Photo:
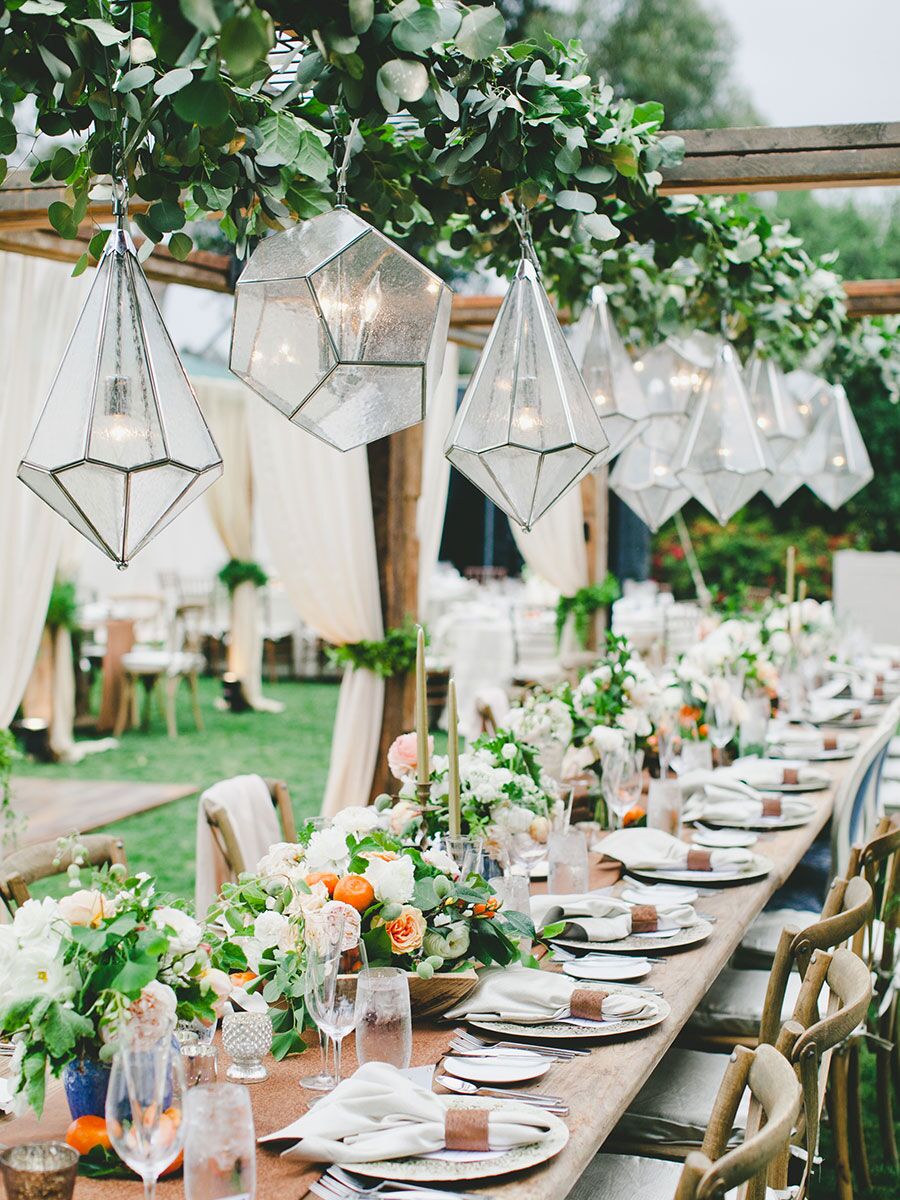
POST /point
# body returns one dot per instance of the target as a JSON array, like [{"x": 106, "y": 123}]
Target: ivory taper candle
[
  {"x": 791, "y": 567},
  {"x": 801, "y": 590},
  {"x": 423, "y": 767},
  {"x": 453, "y": 770}
]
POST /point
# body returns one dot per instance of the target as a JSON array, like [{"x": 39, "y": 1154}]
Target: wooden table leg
[
  {"x": 172, "y": 682},
  {"x": 195, "y": 700}
]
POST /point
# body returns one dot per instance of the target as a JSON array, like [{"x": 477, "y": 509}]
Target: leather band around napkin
[
  {"x": 698, "y": 859},
  {"x": 587, "y": 1003},
  {"x": 790, "y": 776},
  {"x": 829, "y": 742},
  {"x": 466, "y": 1129},
  {"x": 771, "y": 806},
  {"x": 644, "y": 919}
]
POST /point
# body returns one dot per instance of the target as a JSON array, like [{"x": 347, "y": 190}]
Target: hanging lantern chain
[
  {"x": 521, "y": 219},
  {"x": 343, "y": 152}
]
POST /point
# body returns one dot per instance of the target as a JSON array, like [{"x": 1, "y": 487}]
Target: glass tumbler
[
  {"x": 513, "y": 891},
  {"x": 39, "y": 1171},
  {"x": 201, "y": 1063},
  {"x": 247, "y": 1038},
  {"x": 383, "y": 1018},
  {"x": 664, "y": 806},
  {"x": 220, "y": 1150},
  {"x": 568, "y": 862}
]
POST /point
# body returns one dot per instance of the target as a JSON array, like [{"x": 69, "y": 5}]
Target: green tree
[
  {"x": 865, "y": 235},
  {"x": 675, "y": 51}
]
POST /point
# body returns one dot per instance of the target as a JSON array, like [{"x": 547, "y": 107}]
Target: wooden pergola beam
[{"x": 761, "y": 159}]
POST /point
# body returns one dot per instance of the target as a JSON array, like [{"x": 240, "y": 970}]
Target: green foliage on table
[
  {"x": 582, "y": 607},
  {"x": 237, "y": 571},
  {"x": 8, "y": 755},
  {"x": 62, "y": 609},
  {"x": 394, "y": 654}
]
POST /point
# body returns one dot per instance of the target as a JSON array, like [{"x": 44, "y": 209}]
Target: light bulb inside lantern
[
  {"x": 803, "y": 409},
  {"x": 527, "y": 418},
  {"x": 601, "y": 399},
  {"x": 839, "y": 461},
  {"x": 763, "y": 422},
  {"x": 639, "y": 367},
  {"x": 118, "y": 424},
  {"x": 660, "y": 470}
]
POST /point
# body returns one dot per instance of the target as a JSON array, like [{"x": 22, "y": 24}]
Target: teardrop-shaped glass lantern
[
  {"x": 671, "y": 372},
  {"x": 723, "y": 460},
  {"x": 527, "y": 428},
  {"x": 340, "y": 329},
  {"x": 608, "y": 373},
  {"x": 842, "y": 465},
  {"x": 801, "y": 392},
  {"x": 121, "y": 447},
  {"x": 644, "y": 476}
]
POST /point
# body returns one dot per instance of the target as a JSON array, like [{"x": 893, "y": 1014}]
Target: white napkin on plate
[
  {"x": 649, "y": 849},
  {"x": 528, "y": 997},
  {"x": 379, "y": 1113},
  {"x": 821, "y": 712},
  {"x": 729, "y": 807},
  {"x": 797, "y": 741},
  {"x": 770, "y": 773},
  {"x": 608, "y": 918}
]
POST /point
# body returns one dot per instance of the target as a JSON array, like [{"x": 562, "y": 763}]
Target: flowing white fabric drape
[
  {"x": 230, "y": 504},
  {"x": 317, "y": 516},
  {"x": 39, "y": 305},
  {"x": 555, "y": 549},
  {"x": 432, "y": 505}
]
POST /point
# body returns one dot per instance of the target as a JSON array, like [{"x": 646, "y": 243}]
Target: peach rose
[
  {"x": 406, "y": 931},
  {"x": 220, "y": 984},
  {"x": 403, "y": 757},
  {"x": 401, "y": 814},
  {"x": 86, "y": 908}
]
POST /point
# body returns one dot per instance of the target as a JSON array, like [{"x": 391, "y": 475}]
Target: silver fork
[
  {"x": 537, "y": 1047},
  {"x": 340, "y": 1185}
]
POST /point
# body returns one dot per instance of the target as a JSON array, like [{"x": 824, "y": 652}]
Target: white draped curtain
[
  {"x": 39, "y": 305},
  {"x": 432, "y": 505},
  {"x": 555, "y": 549},
  {"x": 230, "y": 504}
]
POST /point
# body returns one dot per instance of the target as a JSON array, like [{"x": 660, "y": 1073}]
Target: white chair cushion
[
  {"x": 889, "y": 795},
  {"x": 891, "y": 770},
  {"x": 894, "y": 748},
  {"x": 623, "y": 1177},
  {"x": 733, "y": 1005},
  {"x": 675, "y": 1102},
  {"x": 763, "y": 935}
]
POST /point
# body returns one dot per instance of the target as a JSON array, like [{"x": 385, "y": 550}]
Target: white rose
[
  {"x": 393, "y": 880},
  {"x": 304, "y": 903},
  {"x": 441, "y": 861},
  {"x": 605, "y": 740},
  {"x": 86, "y": 907},
  {"x": 357, "y": 818},
  {"x": 509, "y": 751},
  {"x": 268, "y": 928},
  {"x": 35, "y": 921},
  {"x": 282, "y": 859},
  {"x": 327, "y": 851},
  {"x": 188, "y": 934}
]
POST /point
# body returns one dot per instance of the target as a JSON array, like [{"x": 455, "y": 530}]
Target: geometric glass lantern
[
  {"x": 121, "y": 447},
  {"x": 780, "y": 420},
  {"x": 527, "y": 429},
  {"x": 608, "y": 373},
  {"x": 809, "y": 396},
  {"x": 340, "y": 329},
  {"x": 723, "y": 459},
  {"x": 842, "y": 466},
  {"x": 671, "y": 372},
  {"x": 643, "y": 476}
]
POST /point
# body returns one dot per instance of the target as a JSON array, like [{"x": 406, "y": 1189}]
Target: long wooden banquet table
[{"x": 597, "y": 1088}]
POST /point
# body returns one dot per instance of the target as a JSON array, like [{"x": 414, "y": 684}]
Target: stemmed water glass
[
  {"x": 623, "y": 781},
  {"x": 721, "y": 714},
  {"x": 330, "y": 999},
  {"x": 668, "y": 744},
  {"x": 144, "y": 1106}
]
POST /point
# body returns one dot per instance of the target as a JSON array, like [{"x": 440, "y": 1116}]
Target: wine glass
[
  {"x": 626, "y": 783},
  {"x": 668, "y": 744},
  {"x": 330, "y": 999},
  {"x": 144, "y": 1106},
  {"x": 220, "y": 1149},
  {"x": 721, "y": 717}
]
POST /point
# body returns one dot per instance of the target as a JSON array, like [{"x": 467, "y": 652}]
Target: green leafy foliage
[
  {"x": 394, "y": 654},
  {"x": 236, "y": 571},
  {"x": 62, "y": 608},
  {"x": 582, "y": 607}
]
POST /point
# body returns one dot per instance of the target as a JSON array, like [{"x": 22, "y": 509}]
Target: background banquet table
[{"x": 597, "y": 1088}]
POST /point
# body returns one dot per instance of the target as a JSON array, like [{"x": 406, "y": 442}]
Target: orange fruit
[
  {"x": 242, "y": 978},
  {"x": 174, "y": 1165},
  {"x": 87, "y": 1132},
  {"x": 330, "y": 880},
  {"x": 356, "y": 891}
]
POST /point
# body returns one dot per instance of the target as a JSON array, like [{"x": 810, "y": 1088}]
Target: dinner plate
[
  {"x": 540, "y": 870},
  {"x": 745, "y": 829},
  {"x": 643, "y": 943},
  {"x": 607, "y": 972},
  {"x": 838, "y": 755},
  {"x": 561, "y": 1031},
  {"x": 759, "y": 869},
  {"x": 431, "y": 1169},
  {"x": 728, "y": 835},
  {"x": 494, "y": 1069},
  {"x": 792, "y": 787}
]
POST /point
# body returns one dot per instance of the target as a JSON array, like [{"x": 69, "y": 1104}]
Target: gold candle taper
[
  {"x": 791, "y": 566},
  {"x": 801, "y": 590},
  {"x": 453, "y": 753},
  {"x": 423, "y": 767}
]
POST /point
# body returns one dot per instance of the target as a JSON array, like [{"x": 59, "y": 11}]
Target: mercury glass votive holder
[
  {"x": 39, "y": 1171},
  {"x": 247, "y": 1038}
]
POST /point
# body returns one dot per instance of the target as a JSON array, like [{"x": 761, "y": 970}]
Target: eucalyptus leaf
[
  {"x": 106, "y": 34},
  {"x": 201, "y": 14},
  {"x": 203, "y": 102},
  {"x": 600, "y": 227},
  {"x": 7, "y": 136},
  {"x": 43, "y": 8},
  {"x": 62, "y": 218},
  {"x": 582, "y": 202},
  {"x": 480, "y": 32},
  {"x": 81, "y": 265},
  {"x": 135, "y": 78},
  {"x": 245, "y": 40},
  {"x": 417, "y": 32},
  {"x": 166, "y": 215},
  {"x": 595, "y": 173},
  {"x": 362, "y": 13},
  {"x": 404, "y": 78},
  {"x": 173, "y": 81}
]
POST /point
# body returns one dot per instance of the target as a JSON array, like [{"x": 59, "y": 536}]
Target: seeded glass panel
[
  {"x": 844, "y": 464},
  {"x": 196, "y": 488},
  {"x": 340, "y": 329},
  {"x": 671, "y": 373},
  {"x": 527, "y": 429},
  {"x": 722, "y": 459},
  {"x": 608, "y": 373},
  {"x": 643, "y": 476},
  {"x": 777, "y": 416},
  {"x": 121, "y": 438}
]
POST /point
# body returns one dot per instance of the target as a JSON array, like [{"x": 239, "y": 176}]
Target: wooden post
[
  {"x": 595, "y": 503},
  {"x": 395, "y": 481}
]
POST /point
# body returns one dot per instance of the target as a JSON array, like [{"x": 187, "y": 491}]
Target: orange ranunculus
[
  {"x": 406, "y": 931},
  {"x": 633, "y": 816},
  {"x": 688, "y": 713},
  {"x": 488, "y": 909},
  {"x": 703, "y": 730}
]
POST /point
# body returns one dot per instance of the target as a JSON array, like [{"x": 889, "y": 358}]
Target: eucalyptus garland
[
  {"x": 237, "y": 571},
  {"x": 62, "y": 609},
  {"x": 394, "y": 654},
  {"x": 583, "y": 606}
]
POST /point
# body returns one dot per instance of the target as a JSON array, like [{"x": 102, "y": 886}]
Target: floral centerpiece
[
  {"x": 75, "y": 972},
  {"x": 733, "y": 652},
  {"x": 407, "y": 906},
  {"x": 544, "y": 721}
]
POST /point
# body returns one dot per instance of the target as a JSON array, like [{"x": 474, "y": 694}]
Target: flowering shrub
[{"x": 75, "y": 972}]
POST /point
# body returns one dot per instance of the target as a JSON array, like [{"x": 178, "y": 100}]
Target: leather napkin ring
[
  {"x": 587, "y": 1004},
  {"x": 771, "y": 807},
  {"x": 466, "y": 1129},
  {"x": 790, "y": 776},
  {"x": 878, "y": 692},
  {"x": 644, "y": 918},
  {"x": 856, "y": 715},
  {"x": 699, "y": 860},
  {"x": 829, "y": 743}
]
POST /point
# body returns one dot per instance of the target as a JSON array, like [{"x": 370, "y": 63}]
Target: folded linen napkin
[
  {"x": 379, "y": 1113},
  {"x": 767, "y": 773},
  {"x": 726, "y": 807},
  {"x": 797, "y": 741},
  {"x": 647, "y": 849},
  {"x": 821, "y": 712},
  {"x": 528, "y": 997},
  {"x": 723, "y": 780},
  {"x": 609, "y": 918}
]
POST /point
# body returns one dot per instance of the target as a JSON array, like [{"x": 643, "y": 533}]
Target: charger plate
[
  {"x": 560, "y": 1031},
  {"x": 643, "y": 944},
  {"x": 759, "y": 869}
]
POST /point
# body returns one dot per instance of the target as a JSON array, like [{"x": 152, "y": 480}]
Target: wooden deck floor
[{"x": 56, "y": 807}]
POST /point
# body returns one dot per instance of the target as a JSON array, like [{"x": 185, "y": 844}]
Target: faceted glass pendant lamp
[
  {"x": 779, "y": 419},
  {"x": 723, "y": 459},
  {"x": 340, "y": 329},
  {"x": 800, "y": 392},
  {"x": 527, "y": 429},
  {"x": 608, "y": 373},
  {"x": 842, "y": 465},
  {"x": 644, "y": 475},
  {"x": 121, "y": 447},
  {"x": 671, "y": 373}
]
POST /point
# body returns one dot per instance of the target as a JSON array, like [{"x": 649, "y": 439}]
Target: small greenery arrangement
[
  {"x": 8, "y": 754},
  {"x": 394, "y": 654},
  {"x": 583, "y": 605},
  {"x": 237, "y": 571},
  {"x": 62, "y": 609}
]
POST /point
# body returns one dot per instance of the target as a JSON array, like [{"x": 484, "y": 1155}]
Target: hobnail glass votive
[
  {"x": 247, "y": 1038},
  {"x": 39, "y": 1171}
]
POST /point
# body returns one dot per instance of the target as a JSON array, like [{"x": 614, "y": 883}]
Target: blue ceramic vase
[{"x": 86, "y": 1082}]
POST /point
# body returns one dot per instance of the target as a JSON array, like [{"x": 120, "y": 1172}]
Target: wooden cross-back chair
[
  {"x": 44, "y": 860},
  {"x": 219, "y": 820}
]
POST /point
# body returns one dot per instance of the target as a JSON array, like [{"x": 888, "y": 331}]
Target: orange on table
[
  {"x": 356, "y": 891},
  {"x": 242, "y": 978},
  {"x": 87, "y": 1132},
  {"x": 327, "y": 877}
]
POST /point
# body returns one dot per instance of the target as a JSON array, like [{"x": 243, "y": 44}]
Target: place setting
[
  {"x": 789, "y": 741},
  {"x": 594, "y": 919},
  {"x": 658, "y": 857}
]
